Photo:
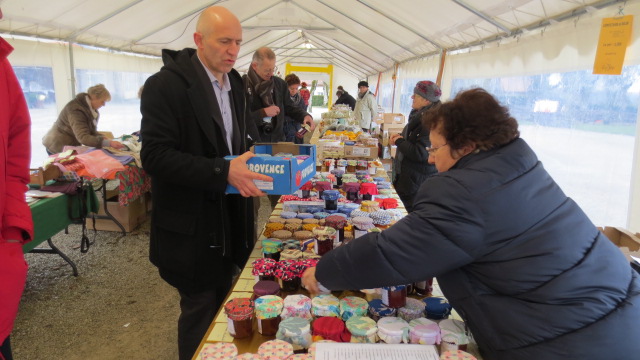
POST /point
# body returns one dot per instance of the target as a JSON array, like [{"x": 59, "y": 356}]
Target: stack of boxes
[{"x": 390, "y": 123}]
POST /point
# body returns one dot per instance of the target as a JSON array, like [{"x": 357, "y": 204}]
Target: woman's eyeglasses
[{"x": 432, "y": 149}]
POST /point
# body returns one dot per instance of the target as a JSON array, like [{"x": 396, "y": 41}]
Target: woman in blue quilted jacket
[{"x": 524, "y": 266}]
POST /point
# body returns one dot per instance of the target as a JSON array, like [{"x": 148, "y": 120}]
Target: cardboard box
[
  {"x": 288, "y": 173},
  {"x": 392, "y": 151},
  {"x": 393, "y": 127},
  {"x": 129, "y": 216},
  {"x": 393, "y": 118},
  {"x": 387, "y": 164},
  {"x": 622, "y": 237},
  {"x": 40, "y": 176},
  {"x": 360, "y": 152}
]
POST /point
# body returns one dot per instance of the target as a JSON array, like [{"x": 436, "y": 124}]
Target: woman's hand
[
  {"x": 309, "y": 280},
  {"x": 394, "y": 138},
  {"x": 117, "y": 145}
]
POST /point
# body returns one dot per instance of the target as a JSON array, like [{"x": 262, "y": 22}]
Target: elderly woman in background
[
  {"x": 77, "y": 123},
  {"x": 520, "y": 261}
]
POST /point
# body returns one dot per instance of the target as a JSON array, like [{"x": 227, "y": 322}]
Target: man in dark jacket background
[
  {"x": 269, "y": 98},
  {"x": 193, "y": 115}
]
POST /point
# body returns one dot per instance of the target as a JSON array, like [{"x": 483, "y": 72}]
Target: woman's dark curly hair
[
  {"x": 292, "y": 79},
  {"x": 473, "y": 116}
]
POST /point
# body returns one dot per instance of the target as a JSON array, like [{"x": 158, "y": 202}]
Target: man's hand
[
  {"x": 242, "y": 178},
  {"x": 309, "y": 121},
  {"x": 272, "y": 111},
  {"x": 309, "y": 280},
  {"x": 394, "y": 138}
]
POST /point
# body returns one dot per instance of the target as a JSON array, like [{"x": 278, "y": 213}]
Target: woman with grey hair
[{"x": 77, "y": 123}]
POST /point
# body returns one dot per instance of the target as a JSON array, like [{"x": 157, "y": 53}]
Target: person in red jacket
[
  {"x": 304, "y": 92},
  {"x": 16, "y": 225}
]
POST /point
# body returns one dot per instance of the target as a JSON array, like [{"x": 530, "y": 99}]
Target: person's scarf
[
  {"x": 261, "y": 88},
  {"x": 295, "y": 99}
]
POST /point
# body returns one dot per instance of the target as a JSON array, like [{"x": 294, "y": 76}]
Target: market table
[{"x": 52, "y": 215}]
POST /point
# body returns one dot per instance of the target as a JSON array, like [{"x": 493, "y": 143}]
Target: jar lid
[
  {"x": 276, "y": 219},
  {"x": 271, "y": 246},
  {"x": 239, "y": 309},
  {"x": 323, "y": 185},
  {"x": 353, "y": 306},
  {"x": 330, "y": 328},
  {"x": 302, "y": 235},
  {"x": 310, "y": 227},
  {"x": 305, "y": 215},
  {"x": 291, "y": 254},
  {"x": 281, "y": 234},
  {"x": 425, "y": 328},
  {"x": 291, "y": 244},
  {"x": 288, "y": 214},
  {"x": 293, "y": 221},
  {"x": 219, "y": 351},
  {"x": 393, "y": 326},
  {"x": 362, "y": 223},
  {"x": 268, "y": 306},
  {"x": 413, "y": 306},
  {"x": 275, "y": 349},
  {"x": 324, "y": 232},
  {"x": 378, "y": 308},
  {"x": 307, "y": 186},
  {"x": 310, "y": 220},
  {"x": 381, "y": 217},
  {"x": 294, "y": 326},
  {"x": 321, "y": 215},
  {"x": 436, "y": 308},
  {"x": 456, "y": 355},
  {"x": 452, "y": 330},
  {"x": 263, "y": 266},
  {"x": 249, "y": 356},
  {"x": 326, "y": 305},
  {"x": 266, "y": 287},
  {"x": 361, "y": 326},
  {"x": 336, "y": 221},
  {"x": 359, "y": 213},
  {"x": 331, "y": 195},
  {"x": 298, "y": 301}
]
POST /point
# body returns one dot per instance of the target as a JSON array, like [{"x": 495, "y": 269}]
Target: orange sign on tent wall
[{"x": 615, "y": 34}]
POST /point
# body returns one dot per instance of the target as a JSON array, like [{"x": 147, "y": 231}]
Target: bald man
[{"x": 193, "y": 115}]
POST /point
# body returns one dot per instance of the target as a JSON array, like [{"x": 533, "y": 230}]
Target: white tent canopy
[{"x": 389, "y": 43}]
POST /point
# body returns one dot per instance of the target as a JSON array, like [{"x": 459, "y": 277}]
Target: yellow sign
[{"x": 615, "y": 34}]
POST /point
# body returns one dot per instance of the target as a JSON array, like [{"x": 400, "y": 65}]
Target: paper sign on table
[{"x": 353, "y": 351}]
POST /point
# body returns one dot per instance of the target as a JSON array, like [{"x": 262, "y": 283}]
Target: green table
[{"x": 50, "y": 216}]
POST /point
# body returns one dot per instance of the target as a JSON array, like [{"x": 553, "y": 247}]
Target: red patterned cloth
[{"x": 134, "y": 183}]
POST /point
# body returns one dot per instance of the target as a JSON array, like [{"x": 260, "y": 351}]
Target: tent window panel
[
  {"x": 37, "y": 84},
  {"x": 582, "y": 127}
]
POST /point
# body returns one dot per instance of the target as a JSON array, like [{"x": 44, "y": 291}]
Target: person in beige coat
[
  {"x": 77, "y": 123},
  {"x": 366, "y": 107}
]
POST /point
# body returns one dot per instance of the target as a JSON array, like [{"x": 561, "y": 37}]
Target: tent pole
[{"x": 72, "y": 70}]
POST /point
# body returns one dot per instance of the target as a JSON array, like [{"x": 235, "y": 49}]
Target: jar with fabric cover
[
  {"x": 424, "y": 331},
  {"x": 367, "y": 190},
  {"x": 352, "y": 190},
  {"x": 239, "y": 313},
  {"x": 282, "y": 234},
  {"x": 268, "y": 309},
  {"x": 381, "y": 218},
  {"x": 369, "y": 206},
  {"x": 291, "y": 244},
  {"x": 456, "y": 355},
  {"x": 296, "y": 331},
  {"x": 291, "y": 254},
  {"x": 454, "y": 335},
  {"x": 288, "y": 214},
  {"x": 337, "y": 222},
  {"x": 393, "y": 330},
  {"x": 361, "y": 225},
  {"x": 277, "y": 219},
  {"x": 321, "y": 186},
  {"x": 413, "y": 309},
  {"x": 378, "y": 310},
  {"x": 362, "y": 329},
  {"x": 325, "y": 305},
  {"x": 269, "y": 228},
  {"x": 437, "y": 308},
  {"x": 330, "y": 328},
  {"x": 362, "y": 165},
  {"x": 219, "y": 350},
  {"x": 394, "y": 296},
  {"x": 351, "y": 165},
  {"x": 275, "y": 349},
  {"x": 265, "y": 287},
  {"x": 423, "y": 288},
  {"x": 271, "y": 248},
  {"x": 353, "y": 306},
  {"x": 324, "y": 237},
  {"x": 263, "y": 269},
  {"x": 331, "y": 199},
  {"x": 297, "y": 305}
]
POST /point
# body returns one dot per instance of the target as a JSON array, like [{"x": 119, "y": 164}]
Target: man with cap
[
  {"x": 410, "y": 166},
  {"x": 366, "y": 107}
]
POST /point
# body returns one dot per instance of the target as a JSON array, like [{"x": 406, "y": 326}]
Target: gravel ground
[{"x": 117, "y": 308}]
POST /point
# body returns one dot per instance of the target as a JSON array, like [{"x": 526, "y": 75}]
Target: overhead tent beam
[
  {"x": 401, "y": 24},
  {"x": 164, "y": 26},
  {"x": 367, "y": 27},
  {"x": 483, "y": 16},
  {"x": 74, "y": 34},
  {"x": 346, "y": 31},
  {"x": 295, "y": 48},
  {"x": 297, "y": 55},
  {"x": 341, "y": 63},
  {"x": 278, "y": 39},
  {"x": 319, "y": 38},
  {"x": 287, "y": 27},
  {"x": 345, "y": 54}
]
